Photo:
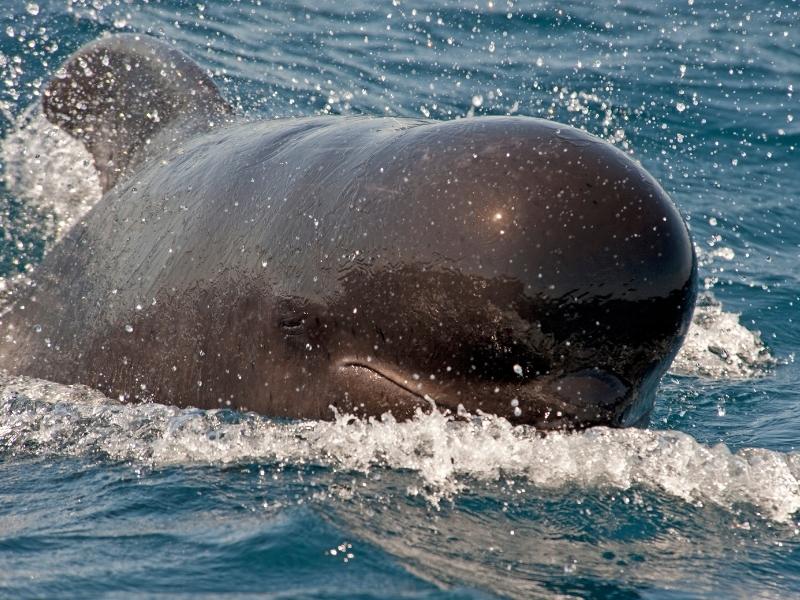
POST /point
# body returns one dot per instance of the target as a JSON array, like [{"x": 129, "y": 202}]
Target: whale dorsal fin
[{"x": 119, "y": 93}]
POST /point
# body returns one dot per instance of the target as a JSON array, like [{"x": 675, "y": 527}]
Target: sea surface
[{"x": 99, "y": 498}]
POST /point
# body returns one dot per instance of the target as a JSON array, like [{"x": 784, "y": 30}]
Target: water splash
[
  {"x": 446, "y": 455},
  {"x": 52, "y": 171},
  {"x": 717, "y": 345},
  {"x": 720, "y": 347},
  {"x": 594, "y": 112}
]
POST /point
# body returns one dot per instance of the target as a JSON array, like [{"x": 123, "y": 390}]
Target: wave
[{"x": 446, "y": 454}]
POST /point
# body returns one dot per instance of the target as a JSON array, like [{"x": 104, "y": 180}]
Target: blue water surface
[{"x": 126, "y": 501}]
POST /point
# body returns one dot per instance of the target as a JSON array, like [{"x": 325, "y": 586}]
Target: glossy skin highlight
[{"x": 509, "y": 265}]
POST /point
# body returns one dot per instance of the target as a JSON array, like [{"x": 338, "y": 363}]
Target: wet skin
[{"x": 504, "y": 264}]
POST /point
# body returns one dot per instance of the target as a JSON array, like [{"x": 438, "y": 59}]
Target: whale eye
[
  {"x": 294, "y": 325},
  {"x": 299, "y": 321}
]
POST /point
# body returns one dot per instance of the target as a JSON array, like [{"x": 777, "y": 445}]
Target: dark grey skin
[{"x": 509, "y": 265}]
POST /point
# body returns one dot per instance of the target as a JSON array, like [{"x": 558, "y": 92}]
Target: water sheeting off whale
[{"x": 504, "y": 264}]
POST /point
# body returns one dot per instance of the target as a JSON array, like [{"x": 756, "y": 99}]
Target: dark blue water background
[{"x": 102, "y": 499}]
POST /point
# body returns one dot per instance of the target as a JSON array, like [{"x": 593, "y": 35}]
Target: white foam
[
  {"x": 717, "y": 345},
  {"x": 47, "y": 418},
  {"x": 50, "y": 170}
]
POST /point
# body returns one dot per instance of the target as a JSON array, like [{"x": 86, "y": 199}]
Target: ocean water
[{"x": 99, "y": 498}]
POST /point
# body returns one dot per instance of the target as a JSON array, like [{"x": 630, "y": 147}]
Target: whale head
[{"x": 515, "y": 267}]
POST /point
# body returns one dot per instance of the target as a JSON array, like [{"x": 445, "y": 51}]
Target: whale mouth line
[{"x": 391, "y": 378}]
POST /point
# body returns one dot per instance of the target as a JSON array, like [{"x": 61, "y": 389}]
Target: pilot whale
[{"x": 502, "y": 265}]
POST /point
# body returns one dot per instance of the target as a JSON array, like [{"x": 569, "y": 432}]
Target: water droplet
[
  {"x": 477, "y": 100},
  {"x": 32, "y": 8},
  {"x": 129, "y": 328},
  {"x": 518, "y": 370}
]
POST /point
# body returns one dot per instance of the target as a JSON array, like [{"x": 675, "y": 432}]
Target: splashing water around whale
[{"x": 46, "y": 418}]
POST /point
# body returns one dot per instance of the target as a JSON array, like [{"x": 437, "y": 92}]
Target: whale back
[{"x": 127, "y": 97}]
